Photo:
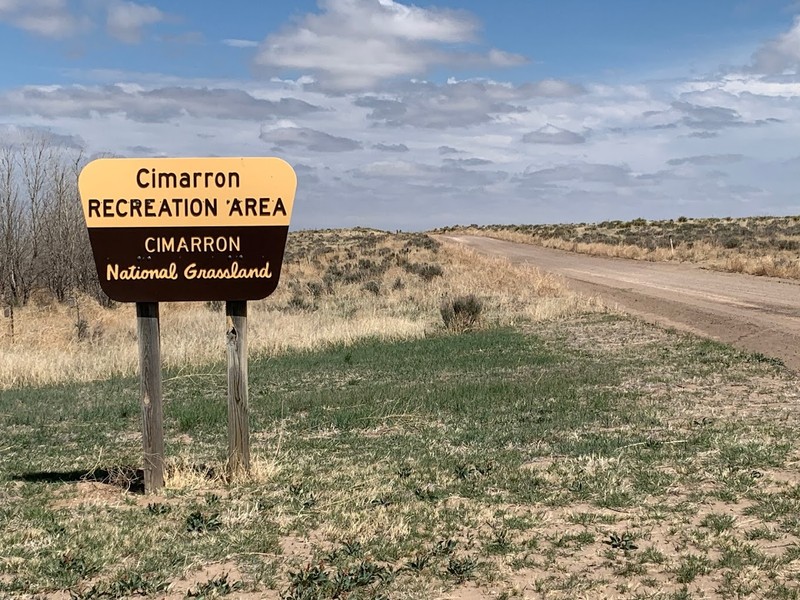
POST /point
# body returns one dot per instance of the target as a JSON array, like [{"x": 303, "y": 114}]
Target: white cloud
[
  {"x": 151, "y": 105},
  {"x": 236, "y": 43},
  {"x": 781, "y": 53},
  {"x": 308, "y": 139},
  {"x": 127, "y": 19},
  {"x": 356, "y": 44},
  {"x": 62, "y": 19},
  {"x": 390, "y": 147},
  {"x": 550, "y": 134},
  {"x": 46, "y": 18},
  {"x": 500, "y": 58}
]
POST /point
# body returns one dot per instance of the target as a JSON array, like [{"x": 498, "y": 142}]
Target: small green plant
[
  {"x": 214, "y": 588},
  {"x": 690, "y": 567},
  {"x": 718, "y": 523},
  {"x": 500, "y": 541},
  {"x": 156, "y": 508},
  {"x": 461, "y": 568},
  {"x": 197, "y": 522},
  {"x": 76, "y": 564},
  {"x": 314, "y": 582},
  {"x": 464, "y": 471},
  {"x": 310, "y": 501},
  {"x": 309, "y": 583},
  {"x": 621, "y": 542},
  {"x": 362, "y": 575},
  {"x": 418, "y": 562},
  {"x": 428, "y": 492},
  {"x": 352, "y": 548},
  {"x": 444, "y": 547}
]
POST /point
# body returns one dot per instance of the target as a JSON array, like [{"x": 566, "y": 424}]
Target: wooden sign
[{"x": 175, "y": 229}]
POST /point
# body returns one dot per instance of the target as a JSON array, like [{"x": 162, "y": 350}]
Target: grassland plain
[
  {"x": 754, "y": 245},
  {"x": 589, "y": 457},
  {"x": 336, "y": 286}
]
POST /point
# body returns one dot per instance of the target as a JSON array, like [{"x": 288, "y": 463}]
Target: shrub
[
  {"x": 316, "y": 288},
  {"x": 461, "y": 313},
  {"x": 420, "y": 240},
  {"x": 298, "y": 302},
  {"x": 425, "y": 270},
  {"x": 372, "y": 286},
  {"x": 730, "y": 242}
]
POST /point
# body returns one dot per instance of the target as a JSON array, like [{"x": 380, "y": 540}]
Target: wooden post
[
  {"x": 147, "y": 326},
  {"x": 238, "y": 410},
  {"x": 9, "y": 312}
]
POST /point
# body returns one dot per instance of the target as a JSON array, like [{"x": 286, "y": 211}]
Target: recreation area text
[{"x": 183, "y": 207}]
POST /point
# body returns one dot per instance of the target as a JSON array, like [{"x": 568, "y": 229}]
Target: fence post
[
  {"x": 238, "y": 410},
  {"x": 147, "y": 325}
]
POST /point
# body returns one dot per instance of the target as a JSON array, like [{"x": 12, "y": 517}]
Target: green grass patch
[{"x": 407, "y": 468}]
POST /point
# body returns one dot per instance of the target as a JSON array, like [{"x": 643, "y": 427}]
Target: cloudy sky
[{"x": 403, "y": 115}]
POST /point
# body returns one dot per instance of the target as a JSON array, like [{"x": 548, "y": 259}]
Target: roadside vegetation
[
  {"x": 755, "y": 245},
  {"x": 337, "y": 286}
]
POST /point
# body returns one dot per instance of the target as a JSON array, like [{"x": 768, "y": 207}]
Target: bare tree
[
  {"x": 14, "y": 233},
  {"x": 36, "y": 156},
  {"x": 44, "y": 244},
  {"x": 62, "y": 233}
]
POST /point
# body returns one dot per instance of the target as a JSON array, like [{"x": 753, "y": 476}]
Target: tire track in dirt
[{"x": 758, "y": 314}]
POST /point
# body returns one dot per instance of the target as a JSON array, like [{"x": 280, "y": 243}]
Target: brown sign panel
[{"x": 174, "y": 229}]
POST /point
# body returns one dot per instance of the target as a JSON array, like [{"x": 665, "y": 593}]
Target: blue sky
[{"x": 404, "y": 115}]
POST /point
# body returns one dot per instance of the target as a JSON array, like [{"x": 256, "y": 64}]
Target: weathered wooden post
[
  {"x": 238, "y": 410},
  {"x": 148, "y": 328},
  {"x": 9, "y": 313}
]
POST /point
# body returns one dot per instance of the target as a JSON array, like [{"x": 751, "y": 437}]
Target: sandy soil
[{"x": 759, "y": 314}]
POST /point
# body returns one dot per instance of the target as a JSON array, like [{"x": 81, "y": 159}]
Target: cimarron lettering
[
  {"x": 146, "y": 178},
  {"x": 115, "y": 272},
  {"x": 206, "y": 243}
]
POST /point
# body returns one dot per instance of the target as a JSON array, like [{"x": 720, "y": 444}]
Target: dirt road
[{"x": 760, "y": 314}]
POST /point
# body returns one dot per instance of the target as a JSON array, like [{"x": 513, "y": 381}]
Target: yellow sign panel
[{"x": 187, "y": 192}]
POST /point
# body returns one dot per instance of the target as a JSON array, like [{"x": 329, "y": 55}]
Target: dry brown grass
[
  {"x": 765, "y": 247},
  {"x": 55, "y": 343}
]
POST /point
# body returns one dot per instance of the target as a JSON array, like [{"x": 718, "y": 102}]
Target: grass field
[
  {"x": 596, "y": 457},
  {"x": 547, "y": 450},
  {"x": 755, "y": 245}
]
